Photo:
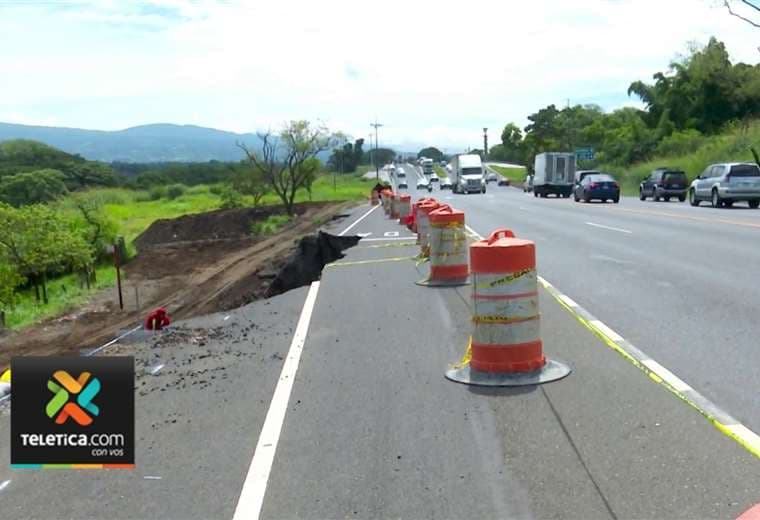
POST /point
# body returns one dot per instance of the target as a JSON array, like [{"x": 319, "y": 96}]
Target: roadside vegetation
[
  {"x": 703, "y": 109},
  {"x": 61, "y": 214},
  {"x": 515, "y": 175}
]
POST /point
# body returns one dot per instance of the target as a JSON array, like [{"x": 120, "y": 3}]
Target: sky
[{"x": 432, "y": 73}]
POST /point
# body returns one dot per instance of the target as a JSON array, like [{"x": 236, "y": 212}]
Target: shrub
[
  {"x": 680, "y": 143},
  {"x": 175, "y": 191},
  {"x": 270, "y": 226},
  {"x": 231, "y": 198},
  {"x": 157, "y": 192},
  {"x": 216, "y": 189}
]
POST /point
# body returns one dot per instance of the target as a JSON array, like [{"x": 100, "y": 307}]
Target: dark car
[
  {"x": 597, "y": 186},
  {"x": 402, "y": 185},
  {"x": 502, "y": 182},
  {"x": 664, "y": 183}
]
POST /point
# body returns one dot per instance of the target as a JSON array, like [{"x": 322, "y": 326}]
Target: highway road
[
  {"x": 330, "y": 401},
  {"x": 679, "y": 282}
]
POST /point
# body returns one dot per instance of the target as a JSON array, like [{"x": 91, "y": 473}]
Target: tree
[
  {"x": 512, "y": 146},
  {"x": 32, "y": 187},
  {"x": 283, "y": 159},
  {"x": 431, "y": 152},
  {"x": 248, "y": 180},
  {"x": 10, "y": 279},
  {"x": 83, "y": 174},
  {"x": 753, "y": 10}
]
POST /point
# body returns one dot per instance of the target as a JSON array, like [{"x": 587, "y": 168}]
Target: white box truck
[
  {"x": 467, "y": 173},
  {"x": 554, "y": 172},
  {"x": 427, "y": 166}
]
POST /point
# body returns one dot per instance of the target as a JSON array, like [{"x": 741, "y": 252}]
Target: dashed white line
[
  {"x": 411, "y": 237},
  {"x": 373, "y": 208},
  {"x": 4, "y": 484},
  {"x": 620, "y": 230},
  {"x": 254, "y": 488}
]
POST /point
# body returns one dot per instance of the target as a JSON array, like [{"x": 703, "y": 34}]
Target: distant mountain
[{"x": 147, "y": 143}]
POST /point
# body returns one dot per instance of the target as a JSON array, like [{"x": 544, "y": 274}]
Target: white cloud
[{"x": 432, "y": 72}]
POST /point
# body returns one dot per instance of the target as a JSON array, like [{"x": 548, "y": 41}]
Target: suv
[
  {"x": 664, "y": 183},
  {"x": 726, "y": 183}
]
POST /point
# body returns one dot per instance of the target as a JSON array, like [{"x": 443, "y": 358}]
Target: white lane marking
[
  {"x": 373, "y": 208},
  {"x": 666, "y": 375},
  {"x": 151, "y": 477},
  {"x": 254, "y": 488},
  {"x": 609, "y": 227},
  {"x": 468, "y": 228},
  {"x": 604, "y": 329},
  {"x": 412, "y": 237},
  {"x": 569, "y": 301},
  {"x": 4, "y": 484},
  {"x": 390, "y": 234},
  {"x": 364, "y": 235},
  {"x": 156, "y": 369},
  {"x": 226, "y": 317}
]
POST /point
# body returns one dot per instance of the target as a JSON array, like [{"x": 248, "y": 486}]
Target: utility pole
[
  {"x": 376, "y": 125},
  {"x": 485, "y": 143}
]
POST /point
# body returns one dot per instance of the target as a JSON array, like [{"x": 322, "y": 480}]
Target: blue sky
[{"x": 433, "y": 72}]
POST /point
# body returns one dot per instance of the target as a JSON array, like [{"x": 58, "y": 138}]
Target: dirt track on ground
[{"x": 193, "y": 265}]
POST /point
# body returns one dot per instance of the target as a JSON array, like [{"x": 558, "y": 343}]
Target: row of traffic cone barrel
[{"x": 505, "y": 347}]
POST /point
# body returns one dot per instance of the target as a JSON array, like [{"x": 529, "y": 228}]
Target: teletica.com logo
[{"x": 81, "y": 391}]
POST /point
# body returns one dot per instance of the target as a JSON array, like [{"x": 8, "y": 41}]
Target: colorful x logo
[{"x": 85, "y": 389}]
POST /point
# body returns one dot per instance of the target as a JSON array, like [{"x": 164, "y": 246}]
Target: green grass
[
  {"x": 515, "y": 175},
  {"x": 64, "y": 293},
  {"x": 270, "y": 226},
  {"x": 730, "y": 146},
  {"x": 439, "y": 171}
]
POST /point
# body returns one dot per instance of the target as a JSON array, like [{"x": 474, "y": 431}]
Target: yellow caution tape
[
  {"x": 376, "y": 261},
  {"x": 466, "y": 358},
  {"x": 440, "y": 225}
]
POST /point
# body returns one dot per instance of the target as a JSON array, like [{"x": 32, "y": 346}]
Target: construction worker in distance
[{"x": 157, "y": 319}]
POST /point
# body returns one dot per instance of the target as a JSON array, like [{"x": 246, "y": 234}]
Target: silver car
[{"x": 726, "y": 183}]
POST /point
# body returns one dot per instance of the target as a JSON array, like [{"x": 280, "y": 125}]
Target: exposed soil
[{"x": 193, "y": 265}]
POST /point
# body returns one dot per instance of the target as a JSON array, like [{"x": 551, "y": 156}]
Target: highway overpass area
[{"x": 330, "y": 401}]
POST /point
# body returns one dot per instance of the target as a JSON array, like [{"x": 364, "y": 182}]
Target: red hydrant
[{"x": 157, "y": 319}]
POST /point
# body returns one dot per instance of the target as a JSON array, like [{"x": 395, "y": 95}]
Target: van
[{"x": 554, "y": 172}]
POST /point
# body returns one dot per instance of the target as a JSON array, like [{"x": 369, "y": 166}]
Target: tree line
[{"x": 700, "y": 95}]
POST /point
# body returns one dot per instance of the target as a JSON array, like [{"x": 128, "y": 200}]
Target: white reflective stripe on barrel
[
  {"x": 423, "y": 228},
  {"x": 448, "y": 245},
  {"x": 506, "y": 334},
  {"x": 521, "y": 282}
]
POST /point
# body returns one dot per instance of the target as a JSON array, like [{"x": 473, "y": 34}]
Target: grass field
[
  {"x": 64, "y": 293},
  {"x": 134, "y": 211},
  {"x": 439, "y": 171},
  {"x": 515, "y": 175}
]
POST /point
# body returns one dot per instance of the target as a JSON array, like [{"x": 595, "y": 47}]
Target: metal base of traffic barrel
[
  {"x": 552, "y": 371},
  {"x": 450, "y": 282}
]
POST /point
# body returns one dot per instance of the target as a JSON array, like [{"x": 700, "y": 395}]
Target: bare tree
[
  {"x": 747, "y": 3},
  {"x": 286, "y": 161}
]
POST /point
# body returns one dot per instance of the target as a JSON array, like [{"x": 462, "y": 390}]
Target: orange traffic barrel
[
  {"x": 394, "y": 205},
  {"x": 424, "y": 208},
  {"x": 404, "y": 207},
  {"x": 448, "y": 248},
  {"x": 505, "y": 347},
  {"x": 385, "y": 197},
  {"x": 415, "y": 211}
]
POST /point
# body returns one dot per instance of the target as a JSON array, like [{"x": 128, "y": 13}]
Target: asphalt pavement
[{"x": 369, "y": 427}]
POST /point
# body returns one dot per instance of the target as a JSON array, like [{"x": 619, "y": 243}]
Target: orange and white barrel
[
  {"x": 423, "y": 224},
  {"x": 394, "y": 205},
  {"x": 448, "y": 248},
  {"x": 404, "y": 207},
  {"x": 506, "y": 344}
]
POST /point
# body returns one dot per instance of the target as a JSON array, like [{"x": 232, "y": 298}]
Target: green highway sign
[{"x": 584, "y": 154}]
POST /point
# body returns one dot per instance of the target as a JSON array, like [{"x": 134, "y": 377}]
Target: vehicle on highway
[
  {"x": 433, "y": 178},
  {"x": 554, "y": 172},
  {"x": 503, "y": 182},
  {"x": 600, "y": 186},
  {"x": 427, "y": 166},
  {"x": 422, "y": 184},
  {"x": 580, "y": 174},
  {"x": 402, "y": 185},
  {"x": 725, "y": 183},
  {"x": 528, "y": 184},
  {"x": 664, "y": 183},
  {"x": 492, "y": 177},
  {"x": 401, "y": 174},
  {"x": 443, "y": 163},
  {"x": 469, "y": 176},
  {"x": 448, "y": 168},
  {"x": 444, "y": 183}
]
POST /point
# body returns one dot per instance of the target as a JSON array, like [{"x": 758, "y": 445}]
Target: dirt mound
[{"x": 223, "y": 224}]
